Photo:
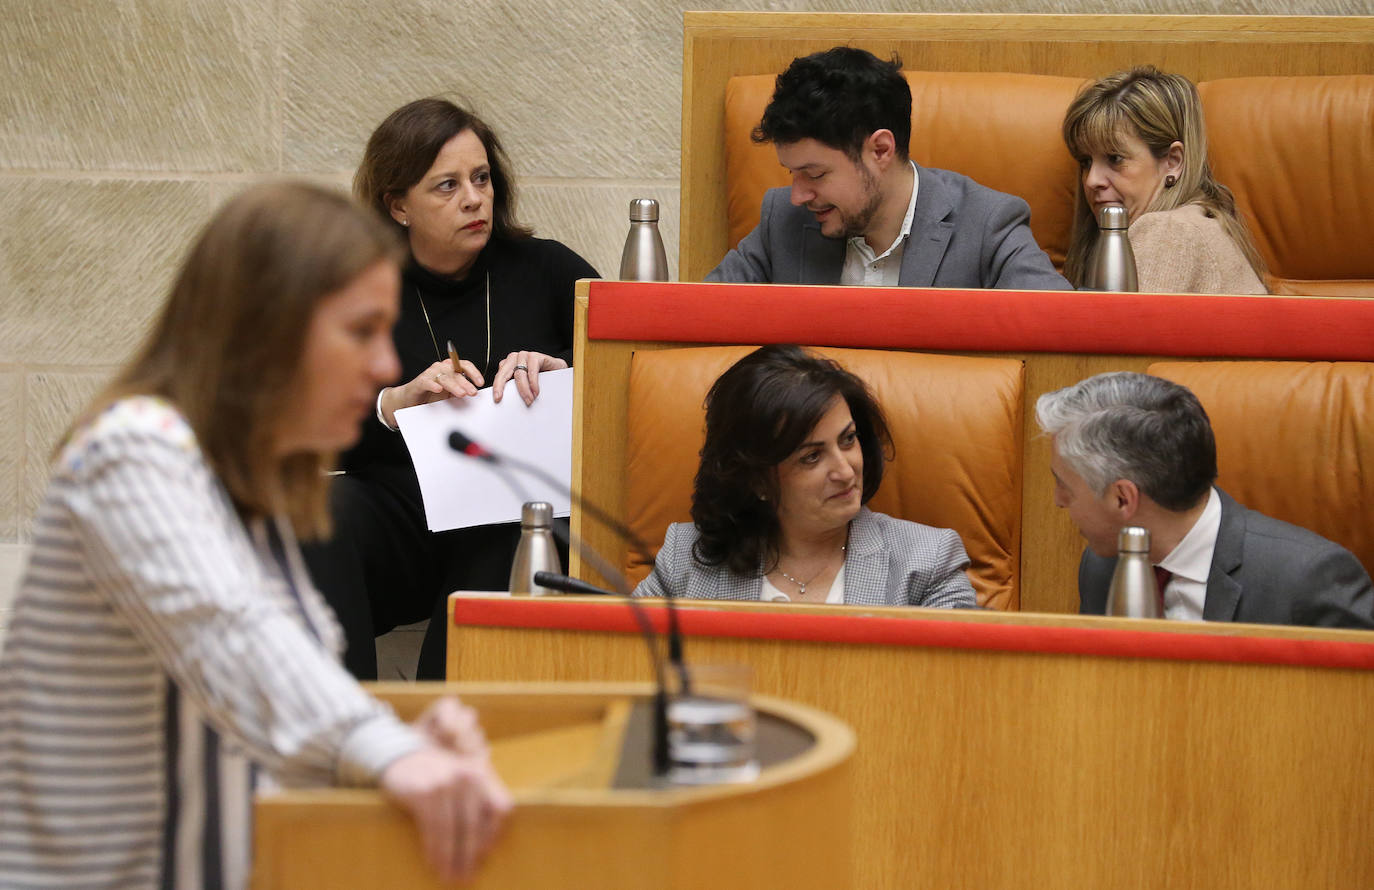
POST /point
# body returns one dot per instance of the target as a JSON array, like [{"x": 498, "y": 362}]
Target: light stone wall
[{"x": 124, "y": 124}]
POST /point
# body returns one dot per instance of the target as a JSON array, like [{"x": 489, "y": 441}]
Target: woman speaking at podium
[
  {"x": 795, "y": 446},
  {"x": 168, "y": 650}
]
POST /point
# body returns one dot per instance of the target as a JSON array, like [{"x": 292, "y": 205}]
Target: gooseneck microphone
[
  {"x": 567, "y": 584},
  {"x": 466, "y": 446}
]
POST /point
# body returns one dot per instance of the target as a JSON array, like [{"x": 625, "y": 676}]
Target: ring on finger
[{"x": 522, "y": 368}]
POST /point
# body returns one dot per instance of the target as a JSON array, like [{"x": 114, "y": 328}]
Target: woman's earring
[
  {"x": 406, "y": 222},
  {"x": 1170, "y": 180}
]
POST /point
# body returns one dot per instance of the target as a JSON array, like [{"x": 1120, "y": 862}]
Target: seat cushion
[
  {"x": 956, "y": 428},
  {"x": 959, "y": 122},
  {"x": 1295, "y": 440},
  {"x": 1296, "y": 153}
]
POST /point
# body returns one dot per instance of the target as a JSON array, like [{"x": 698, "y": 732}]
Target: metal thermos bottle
[
  {"x": 644, "y": 258},
  {"x": 536, "y": 551},
  {"x": 1111, "y": 266},
  {"x": 1133, "y": 592}
]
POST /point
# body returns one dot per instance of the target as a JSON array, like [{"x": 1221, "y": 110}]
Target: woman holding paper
[{"x": 477, "y": 279}]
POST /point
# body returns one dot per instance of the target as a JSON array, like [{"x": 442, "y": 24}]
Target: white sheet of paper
[{"x": 460, "y": 491}]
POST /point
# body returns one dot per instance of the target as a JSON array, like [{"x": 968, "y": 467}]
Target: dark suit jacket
[
  {"x": 1264, "y": 571},
  {"x": 962, "y": 235}
]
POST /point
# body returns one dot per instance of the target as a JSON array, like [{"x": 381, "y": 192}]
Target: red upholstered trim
[
  {"x": 984, "y": 320},
  {"x": 615, "y": 617}
]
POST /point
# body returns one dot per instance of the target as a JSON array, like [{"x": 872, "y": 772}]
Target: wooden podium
[
  {"x": 576, "y": 758},
  {"x": 1023, "y": 751}
]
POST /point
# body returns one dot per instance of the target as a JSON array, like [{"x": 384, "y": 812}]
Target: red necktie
[{"x": 1162, "y": 576}]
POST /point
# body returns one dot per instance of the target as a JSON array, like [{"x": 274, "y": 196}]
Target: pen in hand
[{"x": 453, "y": 357}]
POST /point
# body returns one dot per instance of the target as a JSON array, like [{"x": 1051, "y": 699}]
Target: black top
[{"x": 531, "y": 308}]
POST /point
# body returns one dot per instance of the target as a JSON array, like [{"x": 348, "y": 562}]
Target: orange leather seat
[
  {"x": 959, "y": 122},
  {"x": 1294, "y": 150},
  {"x": 1295, "y": 440},
  {"x": 956, "y": 425}
]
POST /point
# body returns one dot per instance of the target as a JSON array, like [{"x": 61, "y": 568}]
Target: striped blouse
[{"x": 160, "y": 655}]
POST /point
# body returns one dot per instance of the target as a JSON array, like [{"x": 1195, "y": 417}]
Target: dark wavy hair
[
  {"x": 757, "y": 413},
  {"x": 403, "y": 148},
  {"x": 839, "y": 97}
]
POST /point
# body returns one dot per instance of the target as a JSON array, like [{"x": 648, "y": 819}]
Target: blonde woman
[
  {"x": 1140, "y": 141},
  {"x": 168, "y": 648}
]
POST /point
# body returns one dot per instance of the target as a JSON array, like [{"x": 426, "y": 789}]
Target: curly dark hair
[
  {"x": 839, "y": 97},
  {"x": 757, "y": 413},
  {"x": 403, "y": 148}
]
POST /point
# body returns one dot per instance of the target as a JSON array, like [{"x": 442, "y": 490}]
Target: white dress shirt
[
  {"x": 1190, "y": 563},
  {"x": 863, "y": 267}
]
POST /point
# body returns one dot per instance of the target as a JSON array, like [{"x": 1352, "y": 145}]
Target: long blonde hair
[
  {"x": 226, "y": 348},
  {"x": 1160, "y": 109}
]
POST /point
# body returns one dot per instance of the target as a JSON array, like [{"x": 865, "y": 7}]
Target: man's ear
[
  {"x": 881, "y": 147},
  {"x": 1123, "y": 497}
]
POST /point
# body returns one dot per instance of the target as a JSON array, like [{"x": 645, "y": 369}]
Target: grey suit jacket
[
  {"x": 1264, "y": 571},
  {"x": 962, "y": 235},
  {"x": 890, "y": 562}
]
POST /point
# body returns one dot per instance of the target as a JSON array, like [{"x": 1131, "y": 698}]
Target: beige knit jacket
[{"x": 1183, "y": 251}]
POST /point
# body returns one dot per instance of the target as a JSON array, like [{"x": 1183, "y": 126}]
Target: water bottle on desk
[
  {"x": 644, "y": 258},
  {"x": 1111, "y": 265},
  {"x": 1133, "y": 592},
  {"x": 536, "y": 551}
]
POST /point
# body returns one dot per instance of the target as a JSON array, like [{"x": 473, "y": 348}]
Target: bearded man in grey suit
[
  {"x": 860, "y": 211},
  {"x": 1131, "y": 449}
]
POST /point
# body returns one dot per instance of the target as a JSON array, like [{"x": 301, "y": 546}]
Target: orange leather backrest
[
  {"x": 1294, "y": 150},
  {"x": 1000, "y": 129},
  {"x": 1295, "y": 440},
  {"x": 1297, "y": 153},
  {"x": 956, "y": 428}
]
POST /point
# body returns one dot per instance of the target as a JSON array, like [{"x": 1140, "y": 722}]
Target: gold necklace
[
  {"x": 435, "y": 340},
  {"x": 801, "y": 585}
]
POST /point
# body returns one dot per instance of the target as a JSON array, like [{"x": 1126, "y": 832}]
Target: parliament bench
[
  {"x": 1288, "y": 382},
  {"x": 1288, "y": 100}
]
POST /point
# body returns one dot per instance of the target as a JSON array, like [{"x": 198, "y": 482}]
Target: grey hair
[{"x": 1144, "y": 429}]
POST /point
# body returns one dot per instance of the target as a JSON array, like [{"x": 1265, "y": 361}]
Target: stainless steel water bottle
[
  {"x": 1133, "y": 592},
  {"x": 644, "y": 258},
  {"x": 1111, "y": 266},
  {"x": 535, "y": 552}
]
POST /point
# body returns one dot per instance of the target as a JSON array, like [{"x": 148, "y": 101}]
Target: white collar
[
  {"x": 858, "y": 240},
  {"x": 1192, "y": 558}
]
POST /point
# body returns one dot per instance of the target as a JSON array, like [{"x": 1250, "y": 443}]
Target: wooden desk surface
[{"x": 1244, "y": 759}]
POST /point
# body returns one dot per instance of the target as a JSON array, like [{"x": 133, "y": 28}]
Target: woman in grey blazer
[{"x": 795, "y": 446}]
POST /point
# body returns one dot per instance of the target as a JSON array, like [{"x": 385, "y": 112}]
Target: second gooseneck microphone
[{"x": 464, "y": 445}]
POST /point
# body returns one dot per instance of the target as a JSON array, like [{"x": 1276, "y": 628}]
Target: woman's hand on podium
[
  {"x": 457, "y": 801},
  {"x": 451, "y": 724}
]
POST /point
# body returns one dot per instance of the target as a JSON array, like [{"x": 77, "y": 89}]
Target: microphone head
[{"x": 463, "y": 445}]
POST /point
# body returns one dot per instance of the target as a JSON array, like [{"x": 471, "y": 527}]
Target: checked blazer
[{"x": 890, "y": 562}]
